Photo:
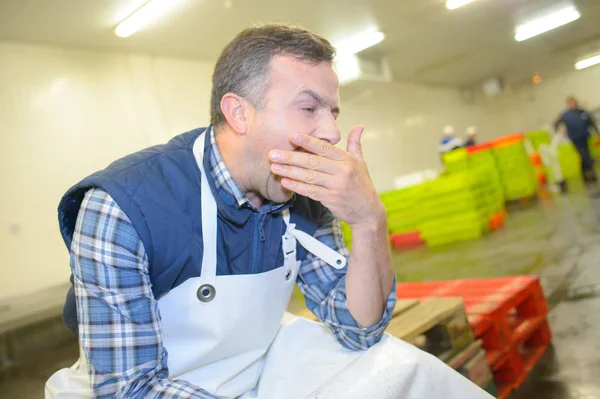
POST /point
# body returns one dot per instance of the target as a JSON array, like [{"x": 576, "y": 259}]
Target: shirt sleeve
[
  {"x": 119, "y": 323},
  {"x": 324, "y": 289}
]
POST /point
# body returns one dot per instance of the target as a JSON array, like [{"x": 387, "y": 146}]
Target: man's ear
[{"x": 236, "y": 111}]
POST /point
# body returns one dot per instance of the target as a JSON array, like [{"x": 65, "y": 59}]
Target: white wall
[
  {"x": 531, "y": 107},
  {"x": 404, "y": 123},
  {"x": 65, "y": 114}
]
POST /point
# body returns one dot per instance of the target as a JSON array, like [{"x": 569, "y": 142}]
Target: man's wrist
[{"x": 374, "y": 223}]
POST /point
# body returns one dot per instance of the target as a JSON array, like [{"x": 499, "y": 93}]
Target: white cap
[
  {"x": 471, "y": 130},
  {"x": 448, "y": 130}
]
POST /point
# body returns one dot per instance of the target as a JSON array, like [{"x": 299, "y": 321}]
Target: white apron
[{"x": 224, "y": 334}]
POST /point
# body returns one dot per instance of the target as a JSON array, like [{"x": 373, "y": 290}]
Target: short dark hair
[{"x": 243, "y": 65}]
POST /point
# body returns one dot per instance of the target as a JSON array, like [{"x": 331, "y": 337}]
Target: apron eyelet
[
  {"x": 206, "y": 293},
  {"x": 288, "y": 275}
]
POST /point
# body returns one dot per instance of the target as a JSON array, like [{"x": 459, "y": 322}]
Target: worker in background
[
  {"x": 578, "y": 123},
  {"x": 449, "y": 141},
  {"x": 471, "y": 136},
  {"x": 184, "y": 255}
]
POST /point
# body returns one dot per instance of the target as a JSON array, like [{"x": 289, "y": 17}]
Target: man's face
[
  {"x": 572, "y": 103},
  {"x": 301, "y": 98}
]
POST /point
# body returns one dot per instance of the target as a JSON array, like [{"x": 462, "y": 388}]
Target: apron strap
[
  {"x": 288, "y": 241},
  {"x": 312, "y": 245},
  {"x": 209, "y": 218}
]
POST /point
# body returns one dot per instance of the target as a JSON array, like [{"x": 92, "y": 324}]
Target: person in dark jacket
[{"x": 578, "y": 123}]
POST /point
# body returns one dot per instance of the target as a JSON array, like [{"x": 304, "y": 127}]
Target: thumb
[{"x": 354, "y": 145}]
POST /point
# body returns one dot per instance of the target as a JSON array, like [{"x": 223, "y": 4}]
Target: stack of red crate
[
  {"x": 508, "y": 314},
  {"x": 406, "y": 241}
]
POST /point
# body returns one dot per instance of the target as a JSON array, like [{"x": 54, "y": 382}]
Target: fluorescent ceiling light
[
  {"x": 358, "y": 43},
  {"x": 588, "y": 62},
  {"x": 546, "y": 23},
  {"x": 348, "y": 68},
  {"x": 454, "y": 4},
  {"x": 147, "y": 14}
]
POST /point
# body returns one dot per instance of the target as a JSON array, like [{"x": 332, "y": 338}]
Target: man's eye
[{"x": 309, "y": 109}]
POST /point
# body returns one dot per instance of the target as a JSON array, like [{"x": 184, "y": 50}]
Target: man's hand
[{"x": 338, "y": 179}]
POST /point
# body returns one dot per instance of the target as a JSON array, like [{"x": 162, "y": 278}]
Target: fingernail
[
  {"x": 274, "y": 154},
  {"x": 276, "y": 167},
  {"x": 296, "y": 137}
]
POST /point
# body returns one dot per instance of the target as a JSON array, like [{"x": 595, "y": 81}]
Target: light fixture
[
  {"x": 454, "y": 4},
  {"x": 144, "y": 16},
  {"x": 358, "y": 43},
  {"x": 347, "y": 67},
  {"x": 588, "y": 62},
  {"x": 546, "y": 23}
]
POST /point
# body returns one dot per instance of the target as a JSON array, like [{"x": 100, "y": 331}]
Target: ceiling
[{"x": 425, "y": 43}]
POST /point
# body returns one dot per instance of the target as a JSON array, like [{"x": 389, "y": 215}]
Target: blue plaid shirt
[{"x": 119, "y": 323}]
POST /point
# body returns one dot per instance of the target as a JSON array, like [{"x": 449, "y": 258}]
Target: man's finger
[
  {"x": 304, "y": 160},
  {"x": 317, "y": 146},
  {"x": 354, "y": 145},
  {"x": 302, "y": 175},
  {"x": 311, "y": 191}
]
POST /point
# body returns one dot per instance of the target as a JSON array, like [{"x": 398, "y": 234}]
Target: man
[
  {"x": 184, "y": 256},
  {"x": 471, "y": 136},
  {"x": 578, "y": 123},
  {"x": 449, "y": 141}
]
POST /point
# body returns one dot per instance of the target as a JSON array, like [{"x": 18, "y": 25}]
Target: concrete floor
[
  {"x": 571, "y": 367},
  {"x": 558, "y": 239}
]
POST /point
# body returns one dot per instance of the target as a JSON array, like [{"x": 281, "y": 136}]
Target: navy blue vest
[
  {"x": 159, "y": 190},
  {"x": 578, "y": 124}
]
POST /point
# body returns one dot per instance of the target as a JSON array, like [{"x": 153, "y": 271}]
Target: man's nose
[{"x": 328, "y": 130}]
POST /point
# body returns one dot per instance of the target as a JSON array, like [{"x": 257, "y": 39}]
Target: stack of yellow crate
[{"x": 455, "y": 207}]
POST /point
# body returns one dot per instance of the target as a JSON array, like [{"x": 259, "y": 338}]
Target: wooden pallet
[
  {"x": 472, "y": 363},
  {"x": 438, "y": 326}
]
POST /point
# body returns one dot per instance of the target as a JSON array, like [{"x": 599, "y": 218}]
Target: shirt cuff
[{"x": 346, "y": 328}]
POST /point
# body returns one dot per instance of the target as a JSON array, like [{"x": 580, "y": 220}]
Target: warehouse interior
[{"x": 510, "y": 221}]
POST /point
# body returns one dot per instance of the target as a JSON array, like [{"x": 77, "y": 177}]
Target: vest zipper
[
  {"x": 259, "y": 238},
  {"x": 261, "y": 226}
]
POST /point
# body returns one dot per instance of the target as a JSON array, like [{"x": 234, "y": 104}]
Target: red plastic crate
[
  {"x": 497, "y": 220},
  {"x": 479, "y": 147},
  {"x": 522, "y": 332},
  {"x": 512, "y": 369},
  {"x": 499, "y": 304},
  {"x": 541, "y": 177},
  {"x": 536, "y": 159},
  {"x": 406, "y": 240},
  {"x": 508, "y": 314},
  {"x": 509, "y": 139},
  {"x": 509, "y": 370}
]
